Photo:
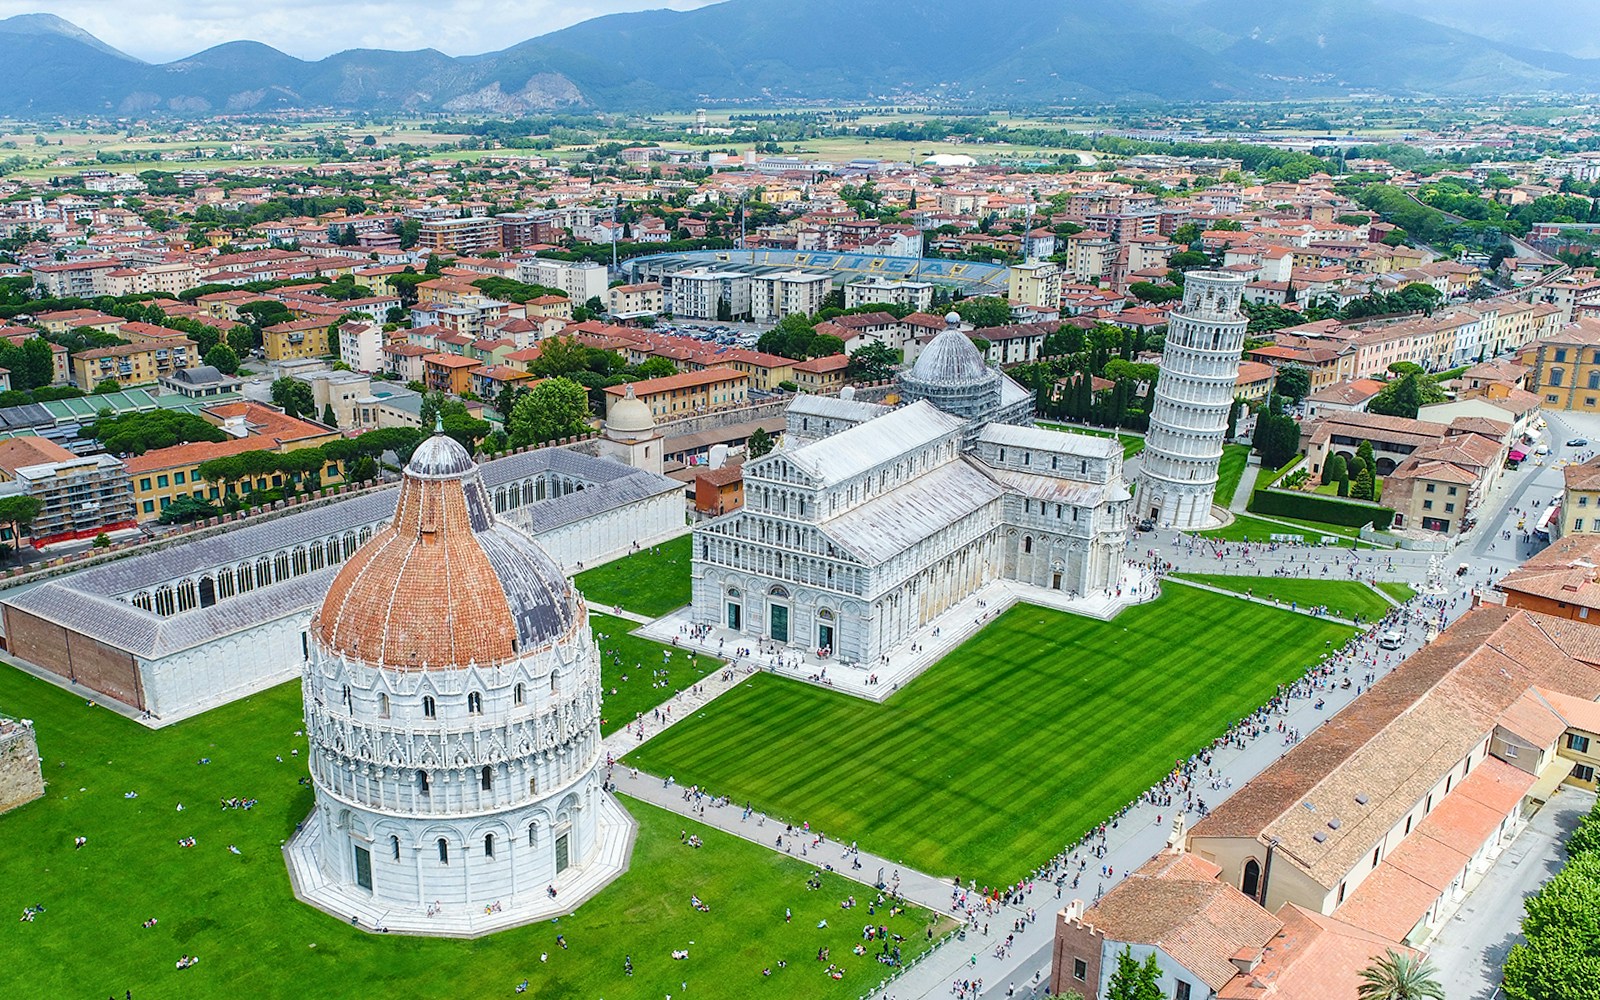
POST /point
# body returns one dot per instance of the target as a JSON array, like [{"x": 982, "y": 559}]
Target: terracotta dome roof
[{"x": 445, "y": 584}]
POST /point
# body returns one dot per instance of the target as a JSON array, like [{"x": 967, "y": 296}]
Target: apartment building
[
  {"x": 450, "y": 373},
  {"x": 774, "y": 296},
  {"x": 131, "y": 364},
  {"x": 463, "y": 237},
  {"x": 299, "y": 338},
  {"x": 1564, "y": 367},
  {"x": 1036, "y": 284},
  {"x": 687, "y": 393},
  {"x": 647, "y": 298},
  {"x": 582, "y": 280},
  {"x": 704, "y": 293},
  {"x": 918, "y": 295},
  {"x": 80, "y": 496}
]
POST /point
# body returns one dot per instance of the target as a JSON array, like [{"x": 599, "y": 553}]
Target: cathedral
[
  {"x": 452, "y": 706},
  {"x": 872, "y": 520}
]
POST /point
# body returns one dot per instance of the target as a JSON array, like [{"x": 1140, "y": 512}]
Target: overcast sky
[{"x": 162, "y": 30}]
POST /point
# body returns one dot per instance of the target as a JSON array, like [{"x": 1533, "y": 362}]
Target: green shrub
[{"x": 1311, "y": 507}]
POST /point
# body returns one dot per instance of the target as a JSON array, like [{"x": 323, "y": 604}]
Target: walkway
[{"x": 1246, "y": 487}]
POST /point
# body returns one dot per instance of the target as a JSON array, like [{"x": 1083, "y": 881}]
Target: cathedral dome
[
  {"x": 445, "y": 584},
  {"x": 951, "y": 358},
  {"x": 630, "y": 415}
]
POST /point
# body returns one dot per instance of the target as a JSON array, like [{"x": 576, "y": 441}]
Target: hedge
[
  {"x": 1262, "y": 484},
  {"x": 1311, "y": 507}
]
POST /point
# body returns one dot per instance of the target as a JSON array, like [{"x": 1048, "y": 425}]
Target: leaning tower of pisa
[{"x": 1199, "y": 372}]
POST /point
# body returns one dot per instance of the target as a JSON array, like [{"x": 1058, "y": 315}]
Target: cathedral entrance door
[
  {"x": 733, "y": 616},
  {"x": 824, "y": 636},
  {"x": 1055, "y": 581},
  {"x": 363, "y": 867},
  {"x": 563, "y": 853},
  {"x": 778, "y": 619}
]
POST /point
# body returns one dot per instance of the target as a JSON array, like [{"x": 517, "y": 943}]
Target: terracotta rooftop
[
  {"x": 1564, "y": 571},
  {"x": 683, "y": 380},
  {"x": 23, "y": 451},
  {"x": 1314, "y": 957}
]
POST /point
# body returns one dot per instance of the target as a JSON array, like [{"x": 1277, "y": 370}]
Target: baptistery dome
[{"x": 445, "y": 584}]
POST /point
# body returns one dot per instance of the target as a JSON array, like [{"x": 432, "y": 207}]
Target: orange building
[
  {"x": 450, "y": 373},
  {"x": 1559, "y": 581},
  {"x": 717, "y": 491}
]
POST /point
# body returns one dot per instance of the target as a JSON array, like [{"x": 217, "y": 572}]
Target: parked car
[
  {"x": 1578, "y": 443},
  {"x": 1147, "y": 525},
  {"x": 1543, "y": 449}
]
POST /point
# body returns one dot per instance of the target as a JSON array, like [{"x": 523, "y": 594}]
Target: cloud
[{"x": 163, "y": 30}]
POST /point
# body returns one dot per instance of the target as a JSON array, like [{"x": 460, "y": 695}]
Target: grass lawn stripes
[
  {"x": 650, "y": 582},
  {"x": 1344, "y": 598},
  {"x": 1012, "y": 746},
  {"x": 254, "y": 939},
  {"x": 639, "y": 674}
]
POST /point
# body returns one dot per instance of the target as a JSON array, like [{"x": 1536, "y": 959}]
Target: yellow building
[
  {"x": 1580, "y": 499},
  {"x": 766, "y": 371},
  {"x": 132, "y": 364},
  {"x": 1036, "y": 284},
  {"x": 826, "y": 374},
  {"x": 686, "y": 394},
  {"x": 1564, "y": 367},
  {"x": 301, "y": 338},
  {"x": 163, "y": 475}
]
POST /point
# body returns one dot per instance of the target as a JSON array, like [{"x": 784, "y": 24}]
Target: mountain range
[{"x": 998, "y": 52}]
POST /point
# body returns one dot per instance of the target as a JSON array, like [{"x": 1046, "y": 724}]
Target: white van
[{"x": 1390, "y": 640}]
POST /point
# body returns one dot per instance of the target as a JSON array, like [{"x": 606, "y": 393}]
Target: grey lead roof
[
  {"x": 1042, "y": 439},
  {"x": 888, "y": 525},
  {"x": 86, "y": 602},
  {"x": 866, "y": 446}
]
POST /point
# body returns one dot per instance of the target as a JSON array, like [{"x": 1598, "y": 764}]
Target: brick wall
[
  {"x": 20, "y": 778},
  {"x": 76, "y": 657},
  {"x": 1076, "y": 942}
]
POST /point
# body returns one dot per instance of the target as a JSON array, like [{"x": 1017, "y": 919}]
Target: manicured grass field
[
  {"x": 1132, "y": 444},
  {"x": 1401, "y": 592},
  {"x": 1254, "y": 529},
  {"x": 1013, "y": 745},
  {"x": 1345, "y": 598},
  {"x": 255, "y": 940},
  {"x": 1234, "y": 459},
  {"x": 651, "y": 582},
  {"x": 640, "y": 661}
]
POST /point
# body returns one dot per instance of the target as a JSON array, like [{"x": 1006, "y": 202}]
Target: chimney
[
  {"x": 1246, "y": 959},
  {"x": 1074, "y": 910}
]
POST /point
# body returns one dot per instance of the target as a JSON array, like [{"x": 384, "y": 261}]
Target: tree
[
  {"x": 1233, "y": 419},
  {"x": 19, "y": 512},
  {"x": 1277, "y": 436},
  {"x": 873, "y": 361},
  {"x": 243, "y": 340},
  {"x": 1134, "y": 980},
  {"x": 1394, "y": 976},
  {"x": 106, "y": 386},
  {"x": 182, "y": 510},
  {"x": 1294, "y": 382},
  {"x": 1586, "y": 837},
  {"x": 1364, "y": 452},
  {"x": 327, "y": 415},
  {"x": 1334, "y": 470},
  {"x": 223, "y": 358},
  {"x": 293, "y": 397},
  {"x": 1562, "y": 928},
  {"x": 553, "y": 409},
  {"x": 102, "y": 541},
  {"x": 984, "y": 310},
  {"x": 759, "y": 443},
  {"x": 1404, "y": 396},
  {"x": 1364, "y": 486}
]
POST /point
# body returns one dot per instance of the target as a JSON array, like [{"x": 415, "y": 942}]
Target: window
[
  {"x": 475, "y": 703},
  {"x": 1561, "y": 354},
  {"x": 488, "y": 778},
  {"x": 518, "y": 695},
  {"x": 1181, "y": 991},
  {"x": 428, "y": 710},
  {"x": 1449, "y": 508},
  {"x": 1427, "y": 505},
  {"x": 144, "y": 484},
  {"x": 1428, "y": 488},
  {"x": 1556, "y": 375},
  {"x": 161, "y": 481},
  {"x": 149, "y": 507},
  {"x": 1577, "y": 525},
  {"x": 1578, "y": 743},
  {"x": 488, "y": 845},
  {"x": 1452, "y": 491},
  {"x": 1377, "y": 855},
  {"x": 383, "y": 705},
  {"x": 177, "y": 477},
  {"x": 1408, "y": 827},
  {"x": 422, "y": 782},
  {"x": 1080, "y": 969},
  {"x": 1341, "y": 892},
  {"x": 533, "y": 833},
  {"x": 444, "y": 851},
  {"x": 1250, "y": 884},
  {"x": 1583, "y": 772}
]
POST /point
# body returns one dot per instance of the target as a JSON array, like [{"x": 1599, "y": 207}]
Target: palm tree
[{"x": 1400, "y": 977}]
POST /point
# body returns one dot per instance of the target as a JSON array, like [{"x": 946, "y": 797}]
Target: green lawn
[
  {"x": 1132, "y": 444},
  {"x": 1254, "y": 529},
  {"x": 1401, "y": 592},
  {"x": 629, "y": 667},
  {"x": 255, "y": 940},
  {"x": 651, "y": 582},
  {"x": 1234, "y": 459},
  {"x": 1345, "y": 598},
  {"x": 1013, "y": 745},
  {"x": 1332, "y": 489}
]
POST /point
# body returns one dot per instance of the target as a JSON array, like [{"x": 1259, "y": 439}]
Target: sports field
[
  {"x": 650, "y": 582},
  {"x": 1012, "y": 746},
  {"x": 639, "y": 674},
  {"x": 253, "y": 939},
  {"x": 1344, "y": 598}
]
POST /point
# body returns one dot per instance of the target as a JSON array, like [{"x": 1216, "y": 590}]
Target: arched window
[
  {"x": 518, "y": 695},
  {"x": 553, "y": 679},
  {"x": 428, "y": 710},
  {"x": 225, "y": 582},
  {"x": 532, "y": 833},
  {"x": 1250, "y": 885},
  {"x": 488, "y": 845},
  {"x": 422, "y": 782},
  {"x": 263, "y": 572},
  {"x": 246, "y": 579},
  {"x": 394, "y": 847},
  {"x": 383, "y": 705},
  {"x": 186, "y": 597},
  {"x": 444, "y": 851},
  {"x": 475, "y": 703},
  {"x": 1027, "y": 543},
  {"x": 300, "y": 563},
  {"x": 488, "y": 778},
  {"x": 164, "y": 601},
  {"x": 318, "y": 557},
  {"x": 280, "y": 563}
]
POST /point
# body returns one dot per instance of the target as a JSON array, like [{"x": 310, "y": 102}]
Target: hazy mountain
[
  {"x": 1571, "y": 27},
  {"x": 1011, "y": 51}
]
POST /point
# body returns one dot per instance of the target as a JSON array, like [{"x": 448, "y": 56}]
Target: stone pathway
[
  {"x": 1246, "y": 487},
  {"x": 1258, "y": 600}
]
